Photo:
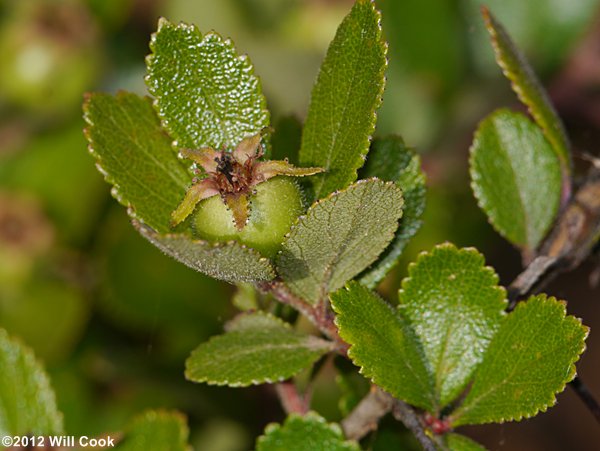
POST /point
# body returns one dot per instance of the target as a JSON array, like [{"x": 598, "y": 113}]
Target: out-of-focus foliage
[
  {"x": 28, "y": 402},
  {"x": 45, "y": 48},
  {"x": 111, "y": 317},
  {"x": 308, "y": 432},
  {"x": 520, "y": 379}
]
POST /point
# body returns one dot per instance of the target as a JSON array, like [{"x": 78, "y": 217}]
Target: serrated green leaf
[
  {"x": 27, "y": 403},
  {"x": 341, "y": 116},
  {"x": 156, "y": 429},
  {"x": 530, "y": 91},
  {"x": 389, "y": 159},
  {"x": 455, "y": 306},
  {"x": 335, "y": 240},
  {"x": 302, "y": 433},
  {"x": 231, "y": 262},
  {"x": 383, "y": 345},
  {"x": 458, "y": 442},
  {"x": 206, "y": 94},
  {"x": 529, "y": 361},
  {"x": 135, "y": 156},
  {"x": 256, "y": 348},
  {"x": 515, "y": 177}
]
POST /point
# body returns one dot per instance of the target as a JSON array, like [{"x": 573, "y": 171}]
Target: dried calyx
[{"x": 233, "y": 176}]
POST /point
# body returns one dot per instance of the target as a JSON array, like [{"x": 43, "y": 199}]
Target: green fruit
[{"x": 273, "y": 209}]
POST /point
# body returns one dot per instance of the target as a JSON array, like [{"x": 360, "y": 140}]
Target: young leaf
[
  {"x": 515, "y": 177},
  {"x": 231, "y": 262},
  {"x": 300, "y": 433},
  {"x": 206, "y": 95},
  {"x": 256, "y": 348},
  {"x": 335, "y": 240},
  {"x": 383, "y": 345},
  {"x": 455, "y": 306},
  {"x": 27, "y": 403},
  {"x": 135, "y": 156},
  {"x": 156, "y": 430},
  {"x": 245, "y": 297},
  {"x": 389, "y": 159},
  {"x": 528, "y": 88},
  {"x": 341, "y": 116},
  {"x": 529, "y": 361},
  {"x": 458, "y": 442}
]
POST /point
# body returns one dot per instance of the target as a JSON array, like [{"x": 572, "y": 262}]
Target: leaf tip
[
  {"x": 485, "y": 12},
  {"x": 163, "y": 22}
]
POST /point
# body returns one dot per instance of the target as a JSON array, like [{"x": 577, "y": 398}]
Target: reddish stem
[{"x": 291, "y": 400}]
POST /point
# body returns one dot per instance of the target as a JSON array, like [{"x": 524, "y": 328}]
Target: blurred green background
[{"x": 113, "y": 319}]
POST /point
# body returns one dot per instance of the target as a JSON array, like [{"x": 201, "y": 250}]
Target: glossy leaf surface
[
  {"x": 515, "y": 176},
  {"x": 529, "y": 361},
  {"x": 383, "y": 345},
  {"x": 455, "y": 306},
  {"x": 205, "y": 93}
]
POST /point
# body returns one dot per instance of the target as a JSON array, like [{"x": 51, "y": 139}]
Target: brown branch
[
  {"x": 407, "y": 415},
  {"x": 586, "y": 396},
  {"x": 535, "y": 276},
  {"x": 366, "y": 415},
  {"x": 569, "y": 243}
]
